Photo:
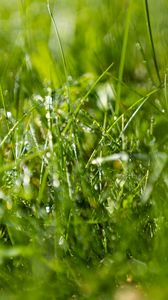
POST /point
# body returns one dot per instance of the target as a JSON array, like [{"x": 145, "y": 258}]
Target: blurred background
[{"x": 91, "y": 34}]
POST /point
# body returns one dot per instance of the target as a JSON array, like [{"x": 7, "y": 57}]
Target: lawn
[{"x": 83, "y": 150}]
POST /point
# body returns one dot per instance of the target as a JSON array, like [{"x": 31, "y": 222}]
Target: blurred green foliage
[{"x": 72, "y": 228}]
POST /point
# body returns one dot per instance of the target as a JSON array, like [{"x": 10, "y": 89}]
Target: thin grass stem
[
  {"x": 64, "y": 62},
  {"x": 82, "y": 101},
  {"x": 123, "y": 57},
  {"x": 152, "y": 41}
]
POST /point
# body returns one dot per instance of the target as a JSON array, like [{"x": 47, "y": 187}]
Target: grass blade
[
  {"x": 123, "y": 56},
  {"x": 85, "y": 97},
  {"x": 151, "y": 40}
]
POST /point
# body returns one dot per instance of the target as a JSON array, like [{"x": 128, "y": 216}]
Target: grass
[{"x": 83, "y": 150}]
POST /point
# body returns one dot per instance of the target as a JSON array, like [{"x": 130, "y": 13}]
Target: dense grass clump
[{"x": 83, "y": 150}]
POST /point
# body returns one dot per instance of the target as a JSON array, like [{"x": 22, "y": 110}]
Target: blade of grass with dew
[
  {"x": 82, "y": 101},
  {"x": 131, "y": 107},
  {"x": 43, "y": 180},
  {"x": 3, "y": 105},
  {"x": 7, "y": 123},
  {"x": 143, "y": 99},
  {"x": 133, "y": 115},
  {"x": 145, "y": 60},
  {"x": 26, "y": 158},
  {"x": 16, "y": 125}
]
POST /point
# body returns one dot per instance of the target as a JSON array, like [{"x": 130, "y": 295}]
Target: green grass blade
[
  {"x": 85, "y": 97},
  {"x": 15, "y": 126},
  {"x": 58, "y": 37},
  {"x": 140, "y": 101},
  {"x": 123, "y": 57},
  {"x": 151, "y": 41}
]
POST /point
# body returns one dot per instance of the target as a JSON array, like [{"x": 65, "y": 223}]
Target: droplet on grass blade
[
  {"x": 38, "y": 98},
  {"x": 61, "y": 241},
  {"x": 56, "y": 182},
  {"x": 48, "y": 102},
  {"x": 48, "y": 209},
  {"x": 105, "y": 95},
  {"x": 9, "y": 114}
]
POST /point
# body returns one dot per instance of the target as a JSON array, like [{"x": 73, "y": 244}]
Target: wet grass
[{"x": 83, "y": 150}]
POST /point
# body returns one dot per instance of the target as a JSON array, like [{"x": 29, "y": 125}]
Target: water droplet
[
  {"x": 61, "y": 241},
  {"x": 47, "y": 209}
]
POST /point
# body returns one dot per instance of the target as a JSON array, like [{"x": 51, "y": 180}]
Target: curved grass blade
[
  {"x": 84, "y": 99},
  {"x": 123, "y": 56},
  {"x": 64, "y": 62},
  {"x": 140, "y": 101},
  {"x": 151, "y": 40},
  {"x": 58, "y": 37},
  {"x": 15, "y": 126}
]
